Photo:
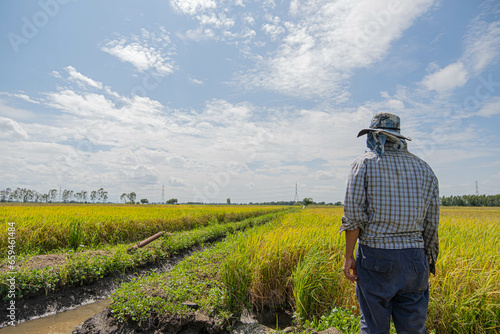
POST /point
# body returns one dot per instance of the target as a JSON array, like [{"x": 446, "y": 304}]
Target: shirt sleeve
[
  {"x": 355, "y": 213},
  {"x": 431, "y": 224}
]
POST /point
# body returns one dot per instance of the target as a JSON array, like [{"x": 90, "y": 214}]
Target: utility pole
[
  {"x": 296, "y": 199},
  {"x": 477, "y": 189},
  {"x": 162, "y": 194}
]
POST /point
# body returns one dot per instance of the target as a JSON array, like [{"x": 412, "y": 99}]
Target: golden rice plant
[
  {"x": 42, "y": 228},
  {"x": 293, "y": 262},
  {"x": 465, "y": 293},
  {"x": 297, "y": 261}
]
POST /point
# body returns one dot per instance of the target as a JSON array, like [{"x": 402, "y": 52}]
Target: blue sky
[{"x": 243, "y": 99}]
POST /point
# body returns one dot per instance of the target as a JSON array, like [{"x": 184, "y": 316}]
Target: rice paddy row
[
  {"x": 35, "y": 274},
  {"x": 295, "y": 263},
  {"x": 41, "y": 229}
]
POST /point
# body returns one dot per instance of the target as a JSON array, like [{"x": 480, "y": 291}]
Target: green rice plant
[
  {"x": 315, "y": 284},
  {"x": 75, "y": 234},
  {"x": 236, "y": 277}
]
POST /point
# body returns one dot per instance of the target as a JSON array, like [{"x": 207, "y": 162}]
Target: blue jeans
[{"x": 392, "y": 282}]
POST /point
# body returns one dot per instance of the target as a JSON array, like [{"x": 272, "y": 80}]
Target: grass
[
  {"x": 83, "y": 267},
  {"x": 157, "y": 300}
]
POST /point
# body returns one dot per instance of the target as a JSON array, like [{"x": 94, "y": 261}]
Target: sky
[{"x": 256, "y": 101}]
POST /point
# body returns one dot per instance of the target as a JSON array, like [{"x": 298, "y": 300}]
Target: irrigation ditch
[
  {"x": 72, "y": 298},
  {"x": 44, "y": 305}
]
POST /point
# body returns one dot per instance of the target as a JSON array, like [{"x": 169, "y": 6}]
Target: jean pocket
[
  {"x": 378, "y": 265},
  {"x": 420, "y": 267}
]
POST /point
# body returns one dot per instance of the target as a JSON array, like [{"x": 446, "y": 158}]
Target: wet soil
[
  {"x": 71, "y": 297},
  {"x": 54, "y": 261}
]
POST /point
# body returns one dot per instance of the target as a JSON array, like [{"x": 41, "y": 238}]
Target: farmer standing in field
[{"x": 392, "y": 210}]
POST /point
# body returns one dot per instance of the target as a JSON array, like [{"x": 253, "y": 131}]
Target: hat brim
[{"x": 392, "y": 133}]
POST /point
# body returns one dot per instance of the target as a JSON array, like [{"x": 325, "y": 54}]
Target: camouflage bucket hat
[{"x": 385, "y": 122}]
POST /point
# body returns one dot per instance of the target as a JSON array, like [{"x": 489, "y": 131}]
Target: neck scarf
[{"x": 376, "y": 142}]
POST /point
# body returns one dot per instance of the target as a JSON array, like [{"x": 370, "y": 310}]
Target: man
[{"x": 391, "y": 209}]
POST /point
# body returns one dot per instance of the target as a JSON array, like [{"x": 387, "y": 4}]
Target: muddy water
[{"x": 60, "y": 323}]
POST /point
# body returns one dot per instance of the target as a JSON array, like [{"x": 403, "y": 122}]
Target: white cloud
[
  {"x": 327, "y": 40},
  {"x": 482, "y": 49},
  {"x": 82, "y": 79},
  {"x": 85, "y": 105},
  {"x": 10, "y": 129},
  {"x": 491, "y": 108},
  {"x": 14, "y": 113},
  {"x": 176, "y": 181},
  {"x": 218, "y": 21},
  {"x": 482, "y": 45},
  {"x": 22, "y": 96},
  {"x": 196, "y": 82},
  {"x": 452, "y": 76},
  {"x": 273, "y": 28},
  {"x": 143, "y": 174},
  {"x": 149, "y": 51},
  {"x": 192, "y": 7}
]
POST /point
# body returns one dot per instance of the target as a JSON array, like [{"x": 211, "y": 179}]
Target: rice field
[
  {"x": 45, "y": 228},
  {"x": 298, "y": 263},
  {"x": 293, "y": 262}
]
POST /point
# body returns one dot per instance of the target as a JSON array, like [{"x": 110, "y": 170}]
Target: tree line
[
  {"x": 471, "y": 200},
  {"x": 25, "y": 195}
]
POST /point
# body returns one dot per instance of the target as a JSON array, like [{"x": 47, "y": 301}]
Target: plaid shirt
[{"x": 394, "y": 200}]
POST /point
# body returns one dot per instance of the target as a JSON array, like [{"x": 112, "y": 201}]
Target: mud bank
[
  {"x": 72, "y": 297},
  {"x": 248, "y": 323}
]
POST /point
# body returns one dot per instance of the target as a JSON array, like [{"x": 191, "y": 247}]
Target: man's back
[
  {"x": 391, "y": 210},
  {"x": 393, "y": 195}
]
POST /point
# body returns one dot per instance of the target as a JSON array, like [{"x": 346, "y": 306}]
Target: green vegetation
[
  {"x": 295, "y": 263},
  {"x": 471, "y": 200},
  {"x": 158, "y": 299},
  {"x": 44, "y": 228},
  {"x": 290, "y": 260},
  {"x": 83, "y": 267}
]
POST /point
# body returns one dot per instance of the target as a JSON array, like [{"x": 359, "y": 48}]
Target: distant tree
[
  {"x": 144, "y": 201},
  {"x": 102, "y": 195},
  {"x": 124, "y": 198},
  {"x": 5, "y": 194},
  {"x": 172, "y": 201},
  {"x": 93, "y": 196},
  {"x": 67, "y": 195},
  {"x": 52, "y": 195},
  {"x": 307, "y": 201},
  {"x": 29, "y": 195},
  {"x": 228, "y": 200},
  {"x": 471, "y": 200},
  {"x": 132, "y": 196},
  {"x": 338, "y": 203},
  {"x": 83, "y": 195}
]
